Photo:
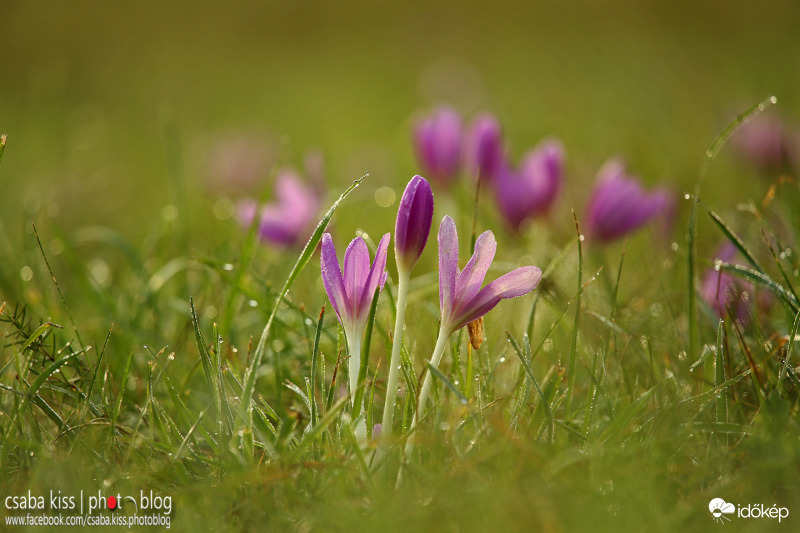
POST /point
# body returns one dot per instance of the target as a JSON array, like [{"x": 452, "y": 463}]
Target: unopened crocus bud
[
  {"x": 483, "y": 146},
  {"x": 414, "y": 218},
  {"x": 619, "y": 205},
  {"x": 531, "y": 190},
  {"x": 437, "y": 142}
]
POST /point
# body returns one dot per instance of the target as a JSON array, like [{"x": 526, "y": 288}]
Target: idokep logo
[{"x": 719, "y": 508}]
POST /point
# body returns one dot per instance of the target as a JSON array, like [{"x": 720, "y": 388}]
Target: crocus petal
[
  {"x": 448, "y": 264},
  {"x": 469, "y": 281},
  {"x": 437, "y": 141},
  {"x": 276, "y": 228},
  {"x": 376, "y": 277},
  {"x": 356, "y": 270},
  {"x": 483, "y": 150},
  {"x": 414, "y": 218},
  {"x": 332, "y": 275},
  {"x": 516, "y": 283}
]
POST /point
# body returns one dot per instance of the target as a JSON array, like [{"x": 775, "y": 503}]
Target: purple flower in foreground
[
  {"x": 483, "y": 146},
  {"x": 531, "y": 190},
  {"x": 460, "y": 295},
  {"x": 437, "y": 141},
  {"x": 351, "y": 288},
  {"x": 619, "y": 205},
  {"x": 414, "y": 218},
  {"x": 287, "y": 220}
]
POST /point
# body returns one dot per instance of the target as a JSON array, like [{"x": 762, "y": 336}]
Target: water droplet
[
  {"x": 26, "y": 273},
  {"x": 773, "y": 100},
  {"x": 687, "y": 196},
  {"x": 675, "y": 247},
  {"x": 581, "y": 237},
  {"x": 502, "y": 359},
  {"x": 252, "y": 303},
  {"x": 227, "y": 266}
]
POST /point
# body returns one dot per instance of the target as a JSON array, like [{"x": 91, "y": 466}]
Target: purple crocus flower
[
  {"x": 531, "y": 190},
  {"x": 460, "y": 295},
  {"x": 287, "y": 220},
  {"x": 619, "y": 205},
  {"x": 437, "y": 141},
  {"x": 461, "y": 298},
  {"x": 483, "y": 146},
  {"x": 414, "y": 218},
  {"x": 352, "y": 288}
]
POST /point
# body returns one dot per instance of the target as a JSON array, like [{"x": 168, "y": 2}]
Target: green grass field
[{"x": 151, "y": 343}]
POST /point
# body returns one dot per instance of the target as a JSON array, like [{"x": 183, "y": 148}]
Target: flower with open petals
[
  {"x": 460, "y": 295},
  {"x": 287, "y": 220},
  {"x": 531, "y": 190},
  {"x": 619, "y": 205},
  {"x": 483, "y": 146},
  {"x": 437, "y": 141},
  {"x": 351, "y": 288}
]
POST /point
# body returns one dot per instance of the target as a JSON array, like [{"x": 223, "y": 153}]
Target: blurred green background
[{"x": 89, "y": 91}]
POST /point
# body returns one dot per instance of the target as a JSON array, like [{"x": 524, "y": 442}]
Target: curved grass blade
[
  {"x": 765, "y": 281},
  {"x": 732, "y": 236}
]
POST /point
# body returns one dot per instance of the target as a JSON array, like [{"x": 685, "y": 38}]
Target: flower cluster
[
  {"x": 521, "y": 192},
  {"x": 351, "y": 289},
  {"x": 618, "y": 205}
]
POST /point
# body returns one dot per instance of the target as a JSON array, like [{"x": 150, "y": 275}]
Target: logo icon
[{"x": 719, "y": 508}]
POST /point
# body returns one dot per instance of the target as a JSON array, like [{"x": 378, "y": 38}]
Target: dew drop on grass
[
  {"x": 548, "y": 345},
  {"x": 581, "y": 237},
  {"x": 309, "y": 322},
  {"x": 686, "y": 196},
  {"x": 674, "y": 247},
  {"x": 252, "y": 303},
  {"x": 502, "y": 359},
  {"x": 26, "y": 273},
  {"x": 99, "y": 271},
  {"x": 227, "y": 267}
]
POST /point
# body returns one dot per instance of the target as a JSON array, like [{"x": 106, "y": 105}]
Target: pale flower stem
[
  {"x": 403, "y": 275},
  {"x": 438, "y": 351},
  {"x": 354, "y": 349}
]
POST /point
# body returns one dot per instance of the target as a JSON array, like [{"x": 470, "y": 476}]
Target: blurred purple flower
[
  {"x": 460, "y": 295},
  {"x": 721, "y": 289},
  {"x": 288, "y": 219},
  {"x": 531, "y": 190},
  {"x": 619, "y": 205},
  {"x": 414, "y": 218},
  {"x": 768, "y": 143},
  {"x": 237, "y": 164},
  {"x": 483, "y": 146},
  {"x": 437, "y": 142}
]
